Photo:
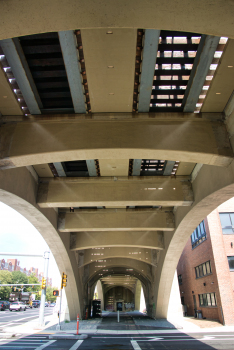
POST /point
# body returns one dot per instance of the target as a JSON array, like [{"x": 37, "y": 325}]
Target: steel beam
[
  {"x": 136, "y": 167},
  {"x": 148, "y": 68},
  {"x": 168, "y": 168},
  {"x": 17, "y": 61},
  {"x": 71, "y": 60},
  {"x": 202, "y": 62},
  {"x": 91, "y": 167},
  {"x": 58, "y": 166}
]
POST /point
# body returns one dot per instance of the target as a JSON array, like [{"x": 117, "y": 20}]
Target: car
[
  {"x": 36, "y": 303},
  {"x": 46, "y": 304},
  {"x": 4, "y": 305},
  {"x": 17, "y": 306},
  {"x": 52, "y": 304}
]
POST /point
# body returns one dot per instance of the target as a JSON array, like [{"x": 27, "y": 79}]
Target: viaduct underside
[{"x": 116, "y": 136}]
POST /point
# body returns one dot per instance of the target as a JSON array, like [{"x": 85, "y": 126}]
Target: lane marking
[
  {"x": 43, "y": 346},
  {"x": 135, "y": 345},
  {"x": 76, "y": 345}
]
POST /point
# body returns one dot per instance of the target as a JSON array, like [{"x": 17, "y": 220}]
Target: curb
[{"x": 67, "y": 336}]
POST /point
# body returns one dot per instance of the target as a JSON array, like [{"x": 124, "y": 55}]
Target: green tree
[
  {"x": 5, "y": 278},
  {"x": 49, "y": 294},
  {"x": 19, "y": 277},
  {"x": 33, "y": 279}
]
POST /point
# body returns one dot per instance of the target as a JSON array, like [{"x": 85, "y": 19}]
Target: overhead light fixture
[{"x": 110, "y": 66}]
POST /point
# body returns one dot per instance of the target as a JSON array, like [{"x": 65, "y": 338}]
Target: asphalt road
[
  {"x": 168, "y": 341},
  {"x": 14, "y": 318}
]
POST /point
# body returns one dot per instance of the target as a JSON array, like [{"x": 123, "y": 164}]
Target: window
[
  {"x": 227, "y": 222},
  {"x": 180, "y": 279},
  {"x": 208, "y": 299},
  {"x": 198, "y": 235},
  {"x": 203, "y": 269},
  {"x": 231, "y": 263}
]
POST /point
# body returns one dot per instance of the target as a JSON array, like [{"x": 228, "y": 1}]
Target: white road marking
[
  {"x": 135, "y": 345},
  {"x": 76, "y": 345},
  {"x": 43, "y": 346},
  {"x": 6, "y": 324}
]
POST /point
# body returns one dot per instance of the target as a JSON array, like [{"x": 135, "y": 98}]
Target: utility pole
[{"x": 43, "y": 291}]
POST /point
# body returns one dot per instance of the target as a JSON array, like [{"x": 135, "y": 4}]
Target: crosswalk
[{"x": 31, "y": 342}]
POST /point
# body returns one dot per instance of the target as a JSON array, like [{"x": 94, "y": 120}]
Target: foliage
[
  {"x": 33, "y": 289},
  {"x": 19, "y": 277},
  {"x": 49, "y": 294},
  {"x": 5, "y": 278}
]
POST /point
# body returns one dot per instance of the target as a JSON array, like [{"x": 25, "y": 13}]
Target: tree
[
  {"x": 5, "y": 278},
  {"x": 33, "y": 279},
  {"x": 49, "y": 294},
  {"x": 19, "y": 277}
]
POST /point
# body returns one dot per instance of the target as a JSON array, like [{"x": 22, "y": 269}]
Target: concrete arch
[
  {"x": 203, "y": 141},
  {"x": 149, "y": 256},
  {"x": 211, "y": 188},
  {"x": 18, "y": 190},
  {"x": 142, "y": 270},
  {"x": 117, "y": 285},
  {"x": 193, "y": 16}
]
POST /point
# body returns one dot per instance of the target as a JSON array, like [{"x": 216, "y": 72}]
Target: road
[
  {"x": 168, "y": 341},
  {"x": 14, "y": 318}
]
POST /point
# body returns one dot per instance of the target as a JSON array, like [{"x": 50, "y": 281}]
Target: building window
[
  {"x": 227, "y": 222},
  {"x": 208, "y": 299},
  {"x": 203, "y": 269},
  {"x": 180, "y": 279},
  {"x": 231, "y": 263},
  {"x": 198, "y": 235}
]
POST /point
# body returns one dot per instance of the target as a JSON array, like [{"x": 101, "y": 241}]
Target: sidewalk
[{"x": 130, "y": 323}]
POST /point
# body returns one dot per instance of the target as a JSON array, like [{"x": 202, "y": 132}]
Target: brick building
[
  {"x": 14, "y": 265},
  {"x": 206, "y": 267}
]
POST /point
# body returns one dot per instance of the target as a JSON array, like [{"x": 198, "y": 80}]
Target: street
[
  {"x": 14, "y": 318},
  {"x": 106, "y": 338},
  {"x": 162, "y": 341}
]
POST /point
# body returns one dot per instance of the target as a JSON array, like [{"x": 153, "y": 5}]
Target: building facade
[{"x": 206, "y": 267}]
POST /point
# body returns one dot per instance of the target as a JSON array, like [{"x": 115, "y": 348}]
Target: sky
[{"x": 18, "y": 235}]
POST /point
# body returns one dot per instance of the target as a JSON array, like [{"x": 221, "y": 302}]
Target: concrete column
[
  {"x": 174, "y": 307},
  {"x": 137, "y": 295},
  {"x": 100, "y": 293}
]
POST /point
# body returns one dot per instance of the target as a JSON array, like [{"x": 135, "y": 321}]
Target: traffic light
[
  {"x": 64, "y": 280},
  {"x": 55, "y": 293},
  {"x": 43, "y": 283}
]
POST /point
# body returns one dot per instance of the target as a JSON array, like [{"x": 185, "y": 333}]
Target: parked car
[
  {"x": 46, "y": 304},
  {"x": 52, "y": 304},
  {"x": 4, "y": 305},
  {"x": 17, "y": 306}
]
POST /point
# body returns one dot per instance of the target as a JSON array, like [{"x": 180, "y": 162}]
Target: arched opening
[
  {"x": 205, "y": 269},
  {"x": 17, "y": 190}
]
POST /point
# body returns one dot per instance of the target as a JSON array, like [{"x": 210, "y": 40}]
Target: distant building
[
  {"x": 14, "y": 265},
  {"x": 206, "y": 267}
]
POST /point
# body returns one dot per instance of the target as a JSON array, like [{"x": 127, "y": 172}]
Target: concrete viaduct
[{"x": 116, "y": 135}]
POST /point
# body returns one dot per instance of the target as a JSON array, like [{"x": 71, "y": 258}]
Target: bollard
[
  {"x": 118, "y": 316},
  {"x": 77, "y": 328}
]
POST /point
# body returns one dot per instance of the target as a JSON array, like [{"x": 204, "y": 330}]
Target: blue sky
[{"x": 18, "y": 235}]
